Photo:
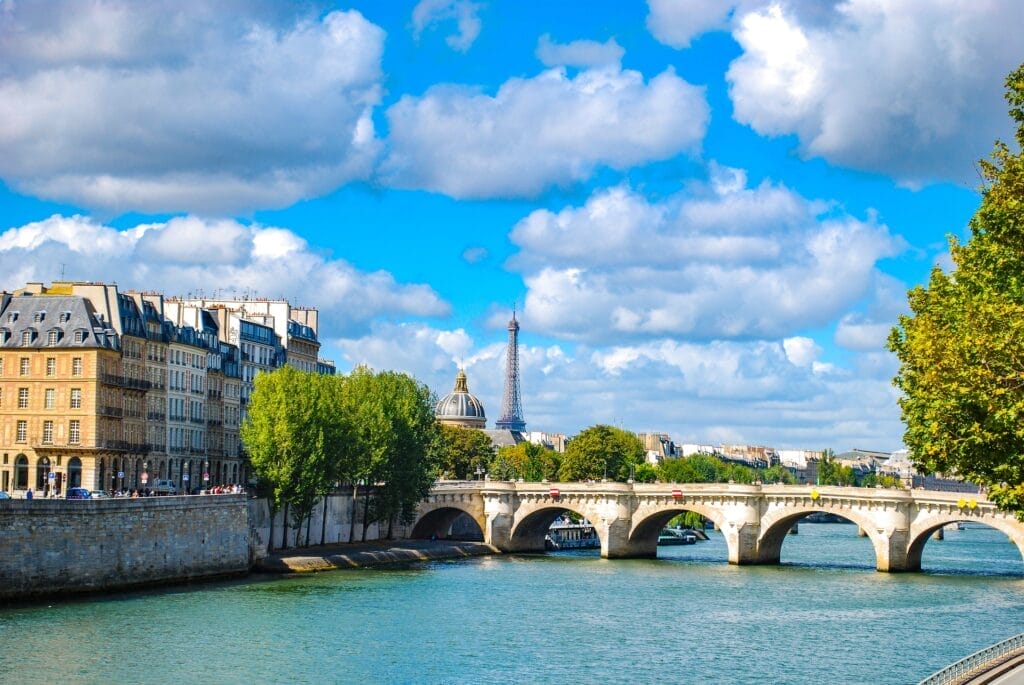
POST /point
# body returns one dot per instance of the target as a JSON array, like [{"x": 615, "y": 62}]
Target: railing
[
  {"x": 124, "y": 381},
  {"x": 976, "y": 663},
  {"x": 156, "y": 416},
  {"x": 110, "y": 411}
]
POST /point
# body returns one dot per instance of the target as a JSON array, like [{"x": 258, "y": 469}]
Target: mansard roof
[{"x": 73, "y": 318}]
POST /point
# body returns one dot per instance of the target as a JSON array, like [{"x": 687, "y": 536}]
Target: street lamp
[
  {"x": 479, "y": 471},
  {"x": 206, "y": 473},
  {"x": 185, "y": 478}
]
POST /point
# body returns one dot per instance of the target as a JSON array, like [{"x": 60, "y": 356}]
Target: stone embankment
[{"x": 366, "y": 554}]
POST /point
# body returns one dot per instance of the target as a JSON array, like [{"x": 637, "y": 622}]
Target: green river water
[{"x": 824, "y": 616}]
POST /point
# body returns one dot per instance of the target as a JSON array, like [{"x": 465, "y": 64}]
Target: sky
[{"x": 706, "y": 213}]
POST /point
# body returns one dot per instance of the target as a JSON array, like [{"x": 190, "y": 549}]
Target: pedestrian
[{"x": 28, "y": 494}]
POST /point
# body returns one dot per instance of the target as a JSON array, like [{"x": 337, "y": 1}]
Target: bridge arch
[
  {"x": 649, "y": 521},
  {"x": 437, "y": 524},
  {"x": 535, "y": 516},
  {"x": 922, "y": 530},
  {"x": 776, "y": 524}
]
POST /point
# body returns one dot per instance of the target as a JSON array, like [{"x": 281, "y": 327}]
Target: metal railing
[{"x": 976, "y": 663}]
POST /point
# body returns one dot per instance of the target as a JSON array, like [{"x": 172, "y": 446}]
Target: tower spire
[{"x": 511, "y": 405}]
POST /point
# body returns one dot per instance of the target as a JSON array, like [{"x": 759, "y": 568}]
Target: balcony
[
  {"x": 156, "y": 416},
  {"x": 115, "y": 412},
  {"x": 120, "y": 381},
  {"x": 197, "y": 420}
]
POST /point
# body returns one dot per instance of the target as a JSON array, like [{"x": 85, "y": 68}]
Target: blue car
[{"x": 78, "y": 493}]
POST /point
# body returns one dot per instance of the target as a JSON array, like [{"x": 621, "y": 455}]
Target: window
[
  {"x": 76, "y": 366},
  {"x": 74, "y": 432},
  {"x": 47, "y": 432},
  {"x": 23, "y": 367},
  {"x": 52, "y": 337},
  {"x": 76, "y": 398},
  {"x": 51, "y": 366},
  {"x": 22, "y": 398},
  {"x": 26, "y": 337},
  {"x": 48, "y": 398},
  {"x": 1, "y": 366},
  {"x": 79, "y": 336},
  {"x": 22, "y": 435},
  {"x": 64, "y": 317}
]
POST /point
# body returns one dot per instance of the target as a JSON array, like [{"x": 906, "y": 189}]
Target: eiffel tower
[{"x": 511, "y": 406}]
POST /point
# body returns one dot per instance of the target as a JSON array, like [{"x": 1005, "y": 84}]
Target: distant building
[{"x": 460, "y": 407}]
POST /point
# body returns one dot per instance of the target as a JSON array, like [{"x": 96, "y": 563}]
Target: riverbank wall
[
  {"x": 54, "y": 547},
  {"x": 64, "y": 547}
]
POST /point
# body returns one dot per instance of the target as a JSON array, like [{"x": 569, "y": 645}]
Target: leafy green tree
[
  {"x": 527, "y": 460},
  {"x": 295, "y": 447},
  {"x": 598, "y": 450},
  {"x": 461, "y": 451},
  {"x": 961, "y": 351},
  {"x": 395, "y": 436},
  {"x": 778, "y": 474},
  {"x": 696, "y": 468},
  {"x": 644, "y": 472}
]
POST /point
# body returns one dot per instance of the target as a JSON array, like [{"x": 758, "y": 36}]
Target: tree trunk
[
  {"x": 270, "y": 540},
  {"x": 391, "y": 523},
  {"x": 309, "y": 524},
  {"x": 284, "y": 528},
  {"x": 352, "y": 523},
  {"x": 323, "y": 526},
  {"x": 366, "y": 514}
]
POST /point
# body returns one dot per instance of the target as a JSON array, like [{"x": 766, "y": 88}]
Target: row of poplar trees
[{"x": 309, "y": 434}]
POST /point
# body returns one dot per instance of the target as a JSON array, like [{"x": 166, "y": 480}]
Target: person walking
[{"x": 28, "y": 494}]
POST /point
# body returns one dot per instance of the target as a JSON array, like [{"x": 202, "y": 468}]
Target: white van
[{"x": 164, "y": 487}]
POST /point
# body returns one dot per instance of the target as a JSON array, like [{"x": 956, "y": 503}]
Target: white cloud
[
  {"x": 724, "y": 261},
  {"x": 678, "y": 22},
  {"x": 552, "y": 129},
  {"x": 908, "y": 89},
  {"x": 188, "y": 253},
  {"x": 719, "y": 391},
  {"x": 801, "y": 351},
  {"x": 579, "y": 53},
  {"x": 142, "y": 106},
  {"x": 428, "y": 13}
]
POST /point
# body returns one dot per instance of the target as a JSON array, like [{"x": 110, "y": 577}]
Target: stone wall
[
  {"x": 334, "y": 528},
  {"x": 60, "y": 546}
]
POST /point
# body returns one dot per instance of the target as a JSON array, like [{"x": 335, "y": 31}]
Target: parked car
[
  {"x": 4, "y": 495},
  {"x": 98, "y": 494},
  {"x": 78, "y": 493},
  {"x": 164, "y": 487}
]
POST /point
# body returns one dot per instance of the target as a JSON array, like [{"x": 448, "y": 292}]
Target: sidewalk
[{"x": 364, "y": 554}]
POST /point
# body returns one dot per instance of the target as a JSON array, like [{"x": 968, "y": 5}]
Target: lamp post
[
  {"x": 206, "y": 473},
  {"x": 185, "y": 477},
  {"x": 145, "y": 473},
  {"x": 479, "y": 471}
]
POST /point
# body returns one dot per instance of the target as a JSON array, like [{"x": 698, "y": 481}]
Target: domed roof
[{"x": 460, "y": 407}]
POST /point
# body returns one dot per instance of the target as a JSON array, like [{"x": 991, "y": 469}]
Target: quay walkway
[{"x": 1000, "y": 664}]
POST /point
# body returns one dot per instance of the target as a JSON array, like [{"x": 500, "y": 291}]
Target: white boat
[
  {"x": 571, "y": 536},
  {"x": 677, "y": 536}
]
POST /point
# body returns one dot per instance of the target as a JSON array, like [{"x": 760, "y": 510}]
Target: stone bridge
[{"x": 514, "y": 517}]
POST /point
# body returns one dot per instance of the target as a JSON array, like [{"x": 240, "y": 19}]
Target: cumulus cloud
[
  {"x": 429, "y": 13},
  {"x": 801, "y": 351},
  {"x": 678, "y": 22},
  {"x": 579, "y": 53},
  {"x": 725, "y": 261},
  {"x": 553, "y": 129},
  {"x": 697, "y": 392},
  {"x": 908, "y": 89},
  {"x": 186, "y": 254},
  {"x": 184, "y": 107}
]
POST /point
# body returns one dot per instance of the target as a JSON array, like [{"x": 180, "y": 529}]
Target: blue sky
[{"x": 706, "y": 213}]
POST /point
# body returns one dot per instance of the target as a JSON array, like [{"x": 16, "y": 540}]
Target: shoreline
[{"x": 367, "y": 555}]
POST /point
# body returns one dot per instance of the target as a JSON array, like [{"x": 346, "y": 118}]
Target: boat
[
  {"x": 677, "y": 536},
  {"x": 571, "y": 536}
]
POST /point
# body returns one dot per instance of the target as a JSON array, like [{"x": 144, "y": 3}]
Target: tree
[
  {"x": 296, "y": 450},
  {"x": 395, "y": 438},
  {"x": 961, "y": 350},
  {"x": 601, "y": 450},
  {"x": 527, "y": 460},
  {"x": 461, "y": 451}
]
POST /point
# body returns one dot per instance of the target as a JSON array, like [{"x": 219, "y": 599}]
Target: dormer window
[
  {"x": 12, "y": 317},
  {"x": 53, "y": 336},
  {"x": 26, "y": 336},
  {"x": 79, "y": 336},
  {"x": 38, "y": 317}
]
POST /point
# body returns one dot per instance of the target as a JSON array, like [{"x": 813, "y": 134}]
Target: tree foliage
[
  {"x": 961, "y": 350},
  {"x": 295, "y": 440},
  {"x": 461, "y": 451},
  {"x": 306, "y": 433},
  {"x": 527, "y": 460},
  {"x": 601, "y": 450}
]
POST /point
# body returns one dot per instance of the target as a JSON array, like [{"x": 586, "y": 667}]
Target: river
[{"x": 824, "y": 615}]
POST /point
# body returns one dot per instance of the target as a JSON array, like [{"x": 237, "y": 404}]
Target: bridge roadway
[{"x": 515, "y": 516}]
